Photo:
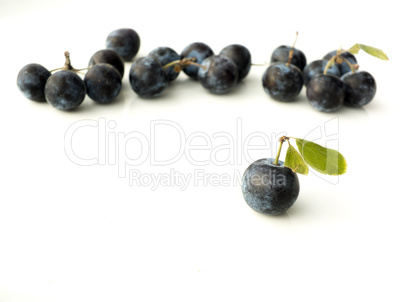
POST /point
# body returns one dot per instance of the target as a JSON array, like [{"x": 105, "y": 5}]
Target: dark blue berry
[
  {"x": 269, "y": 188},
  {"x": 103, "y": 83},
  {"x": 199, "y": 51},
  {"x": 108, "y": 56},
  {"x": 325, "y": 92},
  {"x": 166, "y": 55},
  {"x": 31, "y": 80},
  {"x": 241, "y": 56},
  {"x": 343, "y": 67},
  {"x": 65, "y": 90},
  {"x": 318, "y": 67},
  {"x": 281, "y": 54},
  {"x": 282, "y": 82},
  {"x": 125, "y": 41},
  {"x": 147, "y": 77},
  {"x": 220, "y": 74},
  {"x": 360, "y": 88}
]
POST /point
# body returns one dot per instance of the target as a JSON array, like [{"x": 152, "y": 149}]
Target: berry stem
[
  {"x": 180, "y": 64},
  {"x": 281, "y": 140},
  {"x": 338, "y": 59},
  {"x": 351, "y": 66},
  {"x": 292, "y": 50},
  {"x": 68, "y": 66},
  {"x": 260, "y": 64}
]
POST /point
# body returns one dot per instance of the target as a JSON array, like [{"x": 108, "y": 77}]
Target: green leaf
[
  {"x": 375, "y": 52},
  {"x": 295, "y": 162},
  {"x": 324, "y": 160}
]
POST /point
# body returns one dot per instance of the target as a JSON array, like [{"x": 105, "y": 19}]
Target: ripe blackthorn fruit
[
  {"x": 219, "y": 74},
  {"x": 282, "y": 81},
  {"x": 241, "y": 56},
  {"x": 166, "y": 55},
  {"x": 199, "y": 51},
  {"x": 108, "y": 56},
  {"x": 31, "y": 81},
  {"x": 318, "y": 67},
  {"x": 343, "y": 66},
  {"x": 103, "y": 83},
  {"x": 325, "y": 92},
  {"x": 125, "y": 41},
  {"x": 147, "y": 77},
  {"x": 281, "y": 54},
  {"x": 65, "y": 90},
  {"x": 269, "y": 188},
  {"x": 360, "y": 88}
]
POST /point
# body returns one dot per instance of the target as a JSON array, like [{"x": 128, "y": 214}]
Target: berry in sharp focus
[
  {"x": 241, "y": 56},
  {"x": 147, "y": 77},
  {"x": 325, "y": 92},
  {"x": 342, "y": 66},
  {"x": 282, "y": 81},
  {"x": 281, "y": 54},
  {"x": 125, "y": 41},
  {"x": 219, "y": 74},
  {"x": 199, "y": 51},
  {"x": 166, "y": 55},
  {"x": 269, "y": 188},
  {"x": 108, "y": 56},
  {"x": 31, "y": 81},
  {"x": 360, "y": 88},
  {"x": 103, "y": 83},
  {"x": 318, "y": 67},
  {"x": 65, "y": 90}
]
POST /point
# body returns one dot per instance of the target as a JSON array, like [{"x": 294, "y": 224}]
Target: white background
[{"x": 70, "y": 232}]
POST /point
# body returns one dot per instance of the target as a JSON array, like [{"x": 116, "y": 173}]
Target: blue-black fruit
[
  {"x": 281, "y": 54},
  {"x": 108, "y": 56},
  {"x": 125, "y": 41},
  {"x": 103, "y": 83},
  {"x": 165, "y": 55},
  {"x": 343, "y": 66},
  {"x": 282, "y": 82},
  {"x": 325, "y": 92},
  {"x": 31, "y": 81},
  {"x": 360, "y": 88},
  {"x": 241, "y": 56},
  {"x": 199, "y": 51},
  {"x": 147, "y": 77},
  {"x": 65, "y": 90},
  {"x": 318, "y": 67},
  {"x": 220, "y": 74},
  {"x": 269, "y": 188}
]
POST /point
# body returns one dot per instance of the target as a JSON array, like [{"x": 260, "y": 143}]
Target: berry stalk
[
  {"x": 291, "y": 52},
  {"x": 339, "y": 59},
  {"x": 281, "y": 141},
  {"x": 67, "y": 65},
  {"x": 180, "y": 64}
]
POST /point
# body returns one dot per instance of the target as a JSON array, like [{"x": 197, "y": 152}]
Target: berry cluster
[
  {"x": 219, "y": 74},
  {"x": 65, "y": 90},
  {"x": 330, "y": 82},
  {"x": 334, "y": 81},
  {"x": 149, "y": 75}
]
